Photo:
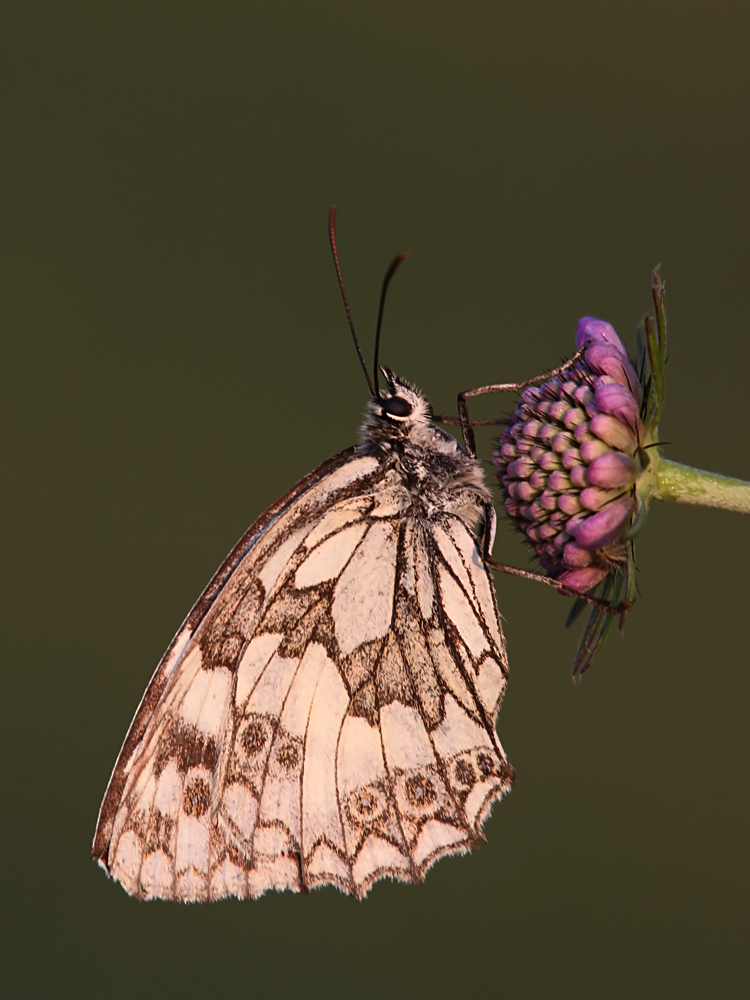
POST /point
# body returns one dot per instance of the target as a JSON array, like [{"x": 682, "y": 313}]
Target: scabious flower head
[
  {"x": 577, "y": 469},
  {"x": 579, "y": 464},
  {"x": 570, "y": 457}
]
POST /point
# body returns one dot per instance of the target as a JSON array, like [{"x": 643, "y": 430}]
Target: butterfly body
[{"x": 326, "y": 714}]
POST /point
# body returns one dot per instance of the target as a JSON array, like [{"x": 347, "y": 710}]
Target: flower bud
[{"x": 570, "y": 457}]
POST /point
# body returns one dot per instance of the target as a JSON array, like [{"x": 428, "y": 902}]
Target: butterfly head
[
  {"x": 399, "y": 423},
  {"x": 400, "y": 403},
  {"x": 398, "y": 412}
]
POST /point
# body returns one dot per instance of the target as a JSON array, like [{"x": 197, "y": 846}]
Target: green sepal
[
  {"x": 656, "y": 343},
  {"x": 640, "y": 350},
  {"x": 575, "y": 612},
  {"x": 641, "y": 516},
  {"x": 598, "y": 627},
  {"x": 600, "y": 622},
  {"x": 656, "y": 387},
  {"x": 631, "y": 578},
  {"x": 657, "y": 293}
]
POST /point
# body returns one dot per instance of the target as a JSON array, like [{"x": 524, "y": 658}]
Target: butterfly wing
[{"x": 325, "y": 714}]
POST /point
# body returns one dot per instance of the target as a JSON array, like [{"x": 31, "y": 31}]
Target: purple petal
[
  {"x": 575, "y": 556},
  {"x": 583, "y": 394},
  {"x": 618, "y": 402},
  {"x": 612, "y": 470},
  {"x": 549, "y": 499},
  {"x": 594, "y": 497},
  {"x": 605, "y": 527},
  {"x": 593, "y": 449},
  {"x": 521, "y": 468},
  {"x": 526, "y": 491},
  {"x": 569, "y": 503},
  {"x": 583, "y": 579},
  {"x": 562, "y": 441},
  {"x": 613, "y": 432},
  {"x": 531, "y": 395},
  {"x": 547, "y": 432},
  {"x": 573, "y": 418},
  {"x": 590, "y": 328},
  {"x": 559, "y": 481},
  {"x": 582, "y": 432},
  {"x": 549, "y": 461},
  {"x": 608, "y": 360},
  {"x": 576, "y": 521},
  {"x": 562, "y": 539},
  {"x": 558, "y": 409},
  {"x": 531, "y": 428},
  {"x": 578, "y": 476}
]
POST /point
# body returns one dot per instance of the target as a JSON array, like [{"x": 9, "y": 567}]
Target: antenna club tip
[{"x": 393, "y": 268}]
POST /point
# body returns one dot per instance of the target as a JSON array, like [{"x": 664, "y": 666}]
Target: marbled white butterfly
[{"x": 326, "y": 713}]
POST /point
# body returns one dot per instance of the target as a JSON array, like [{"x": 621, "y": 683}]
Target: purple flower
[
  {"x": 570, "y": 457},
  {"x": 579, "y": 464}
]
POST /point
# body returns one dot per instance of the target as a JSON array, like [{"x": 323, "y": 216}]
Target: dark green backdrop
[{"x": 175, "y": 355}]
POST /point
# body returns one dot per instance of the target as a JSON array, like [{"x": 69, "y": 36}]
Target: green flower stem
[{"x": 683, "y": 484}]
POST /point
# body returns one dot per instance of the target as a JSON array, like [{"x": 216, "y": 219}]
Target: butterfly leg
[
  {"x": 490, "y": 523},
  {"x": 467, "y": 424},
  {"x": 467, "y": 428}
]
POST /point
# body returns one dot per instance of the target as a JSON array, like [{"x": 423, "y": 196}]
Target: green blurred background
[{"x": 175, "y": 356}]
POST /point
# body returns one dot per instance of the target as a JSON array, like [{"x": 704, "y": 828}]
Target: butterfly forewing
[{"x": 327, "y": 712}]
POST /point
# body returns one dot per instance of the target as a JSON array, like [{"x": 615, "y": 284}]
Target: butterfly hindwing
[{"x": 327, "y": 712}]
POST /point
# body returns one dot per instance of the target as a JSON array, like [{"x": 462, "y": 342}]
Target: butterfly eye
[{"x": 397, "y": 406}]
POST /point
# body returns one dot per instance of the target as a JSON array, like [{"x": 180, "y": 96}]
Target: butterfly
[{"x": 326, "y": 713}]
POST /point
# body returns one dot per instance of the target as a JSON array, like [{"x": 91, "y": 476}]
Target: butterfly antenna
[
  {"x": 332, "y": 237},
  {"x": 386, "y": 281}
]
